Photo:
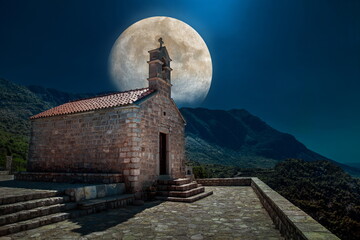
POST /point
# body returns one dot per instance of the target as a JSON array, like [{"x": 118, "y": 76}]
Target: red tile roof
[{"x": 89, "y": 104}]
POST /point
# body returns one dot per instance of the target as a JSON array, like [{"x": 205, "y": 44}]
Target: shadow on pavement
[{"x": 104, "y": 220}]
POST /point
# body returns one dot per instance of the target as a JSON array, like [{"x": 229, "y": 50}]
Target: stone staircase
[
  {"x": 19, "y": 213},
  {"x": 32, "y": 210},
  {"x": 180, "y": 190}
]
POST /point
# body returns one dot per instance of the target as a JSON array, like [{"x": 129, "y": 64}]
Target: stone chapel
[{"x": 132, "y": 137}]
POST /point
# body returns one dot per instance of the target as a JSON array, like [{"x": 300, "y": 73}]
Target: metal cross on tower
[{"x": 161, "y": 42}]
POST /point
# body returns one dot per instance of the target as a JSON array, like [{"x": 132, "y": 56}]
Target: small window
[{"x": 164, "y": 113}]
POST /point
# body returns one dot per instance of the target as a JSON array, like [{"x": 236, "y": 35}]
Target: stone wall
[
  {"x": 101, "y": 141},
  {"x": 160, "y": 114},
  {"x": 292, "y": 222},
  {"x": 224, "y": 181},
  {"x": 81, "y": 193},
  {"x": 70, "y": 177}
]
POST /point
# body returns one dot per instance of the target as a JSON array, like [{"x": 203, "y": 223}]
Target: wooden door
[{"x": 163, "y": 154}]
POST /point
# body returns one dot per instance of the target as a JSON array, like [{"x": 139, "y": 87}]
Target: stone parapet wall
[
  {"x": 69, "y": 177},
  {"x": 292, "y": 222},
  {"x": 224, "y": 181}
]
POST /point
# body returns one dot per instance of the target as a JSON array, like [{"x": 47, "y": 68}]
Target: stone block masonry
[
  {"x": 92, "y": 142},
  {"x": 108, "y": 145},
  {"x": 70, "y": 177},
  {"x": 77, "y": 194},
  {"x": 160, "y": 115},
  {"x": 292, "y": 222}
]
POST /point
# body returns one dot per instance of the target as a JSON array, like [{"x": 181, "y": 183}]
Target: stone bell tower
[{"x": 159, "y": 70}]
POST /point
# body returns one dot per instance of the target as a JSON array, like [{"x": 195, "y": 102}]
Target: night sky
[{"x": 295, "y": 64}]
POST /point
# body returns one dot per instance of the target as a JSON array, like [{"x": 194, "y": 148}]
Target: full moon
[{"x": 191, "y": 60}]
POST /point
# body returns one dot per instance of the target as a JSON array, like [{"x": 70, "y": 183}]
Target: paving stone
[{"x": 230, "y": 213}]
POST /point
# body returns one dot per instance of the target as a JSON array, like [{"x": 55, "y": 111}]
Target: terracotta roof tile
[{"x": 89, "y": 104}]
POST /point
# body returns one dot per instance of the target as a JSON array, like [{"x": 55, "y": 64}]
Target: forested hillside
[
  {"x": 17, "y": 104},
  {"x": 323, "y": 190}
]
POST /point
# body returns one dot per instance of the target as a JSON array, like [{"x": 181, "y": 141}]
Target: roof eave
[{"x": 145, "y": 98}]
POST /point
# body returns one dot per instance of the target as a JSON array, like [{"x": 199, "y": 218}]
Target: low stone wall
[
  {"x": 95, "y": 191},
  {"x": 70, "y": 177},
  {"x": 242, "y": 181},
  {"x": 292, "y": 222}
]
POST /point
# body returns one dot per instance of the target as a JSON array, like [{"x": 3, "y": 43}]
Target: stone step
[
  {"x": 36, "y": 212},
  {"x": 27, "y": 205},
  {"x": 114, "y": 201},
  {"x": 183, "y": 194},
  {"x": 86, "y": 207},
  {"x": 187, "y": 199},
  {"x": 183, "y": 187},
  {"x": 27, "y": 197},
  {"x": 34, "y": 223},
  {"x": 178, "y": 181}
]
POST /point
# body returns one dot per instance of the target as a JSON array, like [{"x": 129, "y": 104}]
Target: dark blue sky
[{"x": 295, "y": 64}]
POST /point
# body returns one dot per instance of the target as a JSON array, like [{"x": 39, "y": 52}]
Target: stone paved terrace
[{"x": 231, "y": 213}]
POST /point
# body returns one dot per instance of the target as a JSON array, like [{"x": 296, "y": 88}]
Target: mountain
[
  {"x": 54, "y": 97},
  {"x": 17, "y": 104},
  {"x": 238, "y": 138},
  {"x": 232, "y": 138}
]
